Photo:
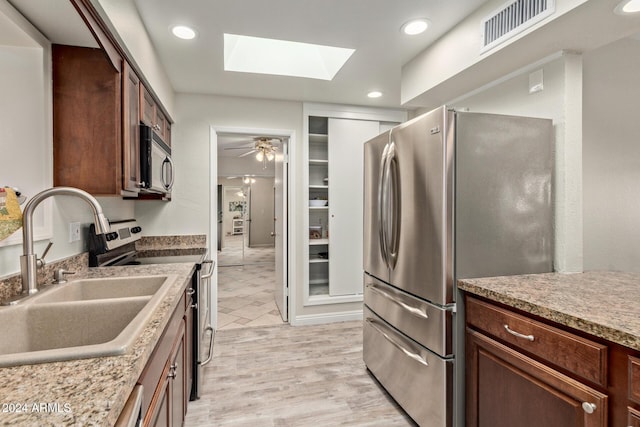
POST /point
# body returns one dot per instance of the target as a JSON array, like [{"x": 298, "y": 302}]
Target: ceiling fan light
[
  {"x": 260, "y": 156},
  {"x": 269, "y": 156}
]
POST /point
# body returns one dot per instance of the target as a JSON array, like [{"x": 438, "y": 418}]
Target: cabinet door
[
  {"x": 131, "y": 129},
  {"x": 178, "y": 400},
  {"x": 346, "y": 169},
  {"x": 162, "y": 416},
  {"x": 147, "y": 107},
  {"x": 506, "y": 389}
]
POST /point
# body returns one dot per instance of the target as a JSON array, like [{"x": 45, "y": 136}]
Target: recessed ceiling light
[
  {"x": 627, "y": 6},
  {"x": 416, "y": 26},
  {"x": 183, "y": 32},
  {"x": 374, "y": 94},
  {"x": 283, "y": 58}
]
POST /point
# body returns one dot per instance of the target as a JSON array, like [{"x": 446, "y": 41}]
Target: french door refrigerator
[{"x": 447, "y": 195}]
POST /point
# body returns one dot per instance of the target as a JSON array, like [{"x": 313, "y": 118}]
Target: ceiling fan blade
[
  {"x": 239, "y": 148},
  {"x": 247, "y": 153}
]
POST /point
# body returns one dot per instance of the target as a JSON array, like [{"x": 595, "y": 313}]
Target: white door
[
  {"x": 280, "y": 229},
  {"x": 346, "y": 169}
]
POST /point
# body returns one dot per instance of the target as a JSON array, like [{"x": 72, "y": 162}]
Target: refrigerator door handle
[
  {"x": 394, "y": 209},
  {"x": 413, "y": 310},
  {"x": 383, "y": 188},
  {"x": 403, "y": 346}
]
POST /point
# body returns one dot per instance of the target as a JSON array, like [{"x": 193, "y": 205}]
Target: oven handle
[
  {"x": 210, "y": 273},
  {"x": 210, "y": 356}
]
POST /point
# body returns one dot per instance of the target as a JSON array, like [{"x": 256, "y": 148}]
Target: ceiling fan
[{"x": 262, "y": 146}]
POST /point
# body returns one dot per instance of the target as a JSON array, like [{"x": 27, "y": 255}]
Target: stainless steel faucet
[{"x": 29, "y": 260}]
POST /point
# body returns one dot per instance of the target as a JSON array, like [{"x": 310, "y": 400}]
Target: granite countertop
[
  {"x": 604, "y": 304},
  {"x": 88, "y": 391}
]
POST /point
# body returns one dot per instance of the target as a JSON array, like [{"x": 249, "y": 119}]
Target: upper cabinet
[
  {"x": 99, "y": 101},
  {"x": 151, "y": 115},
  {"x": 87, "y": 124}
]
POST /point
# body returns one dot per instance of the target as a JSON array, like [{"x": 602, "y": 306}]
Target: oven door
[{"x": 204, "y": 333}]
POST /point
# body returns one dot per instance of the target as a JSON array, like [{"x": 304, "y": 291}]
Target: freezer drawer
[
  {"x": 426, "y": 323},
  {"x": 420, "y": 381}
]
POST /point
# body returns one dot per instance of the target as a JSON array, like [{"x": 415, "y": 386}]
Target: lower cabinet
[
  {"x": 514, "y": 372},
  {"x": 506, "y": 388},
  {"x": 527, "y": 372},
  {"x": 167, "y": 376}
]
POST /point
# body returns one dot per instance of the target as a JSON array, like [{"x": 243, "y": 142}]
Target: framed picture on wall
[{"x": 237, "y": 206}]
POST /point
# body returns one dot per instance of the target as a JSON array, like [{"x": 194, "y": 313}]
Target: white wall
[
  {"x": 612, "y": 157},
  {"x": 511, "y": 96},
  {"x": 441, "y": 70}
]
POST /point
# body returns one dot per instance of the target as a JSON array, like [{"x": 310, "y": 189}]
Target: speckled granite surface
[
  {"x": 156, "y": 246},
  {"x": 89, "y": 391},
  {"x": 604, "y": 304}
]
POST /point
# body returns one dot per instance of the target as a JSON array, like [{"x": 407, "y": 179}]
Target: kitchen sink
[
  {"x": 113, "y": 287},
  {"x": 81, "y": 319}
]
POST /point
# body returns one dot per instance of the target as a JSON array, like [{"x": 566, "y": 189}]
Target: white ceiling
[{"x": 372, "y": 27}]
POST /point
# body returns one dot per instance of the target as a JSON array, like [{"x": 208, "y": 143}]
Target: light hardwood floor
[{"x": 285, "y": 376}]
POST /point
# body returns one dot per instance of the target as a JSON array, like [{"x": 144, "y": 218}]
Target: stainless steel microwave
[{"x": 156, "y": 167}]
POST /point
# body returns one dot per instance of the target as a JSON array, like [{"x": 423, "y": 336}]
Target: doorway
[{"x": 251, "y": 223}]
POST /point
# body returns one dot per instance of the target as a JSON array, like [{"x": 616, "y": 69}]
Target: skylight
[{"x": 283, "y": 58}]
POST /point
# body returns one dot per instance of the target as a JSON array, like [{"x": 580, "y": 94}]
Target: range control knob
[
  {"x": 111, "y": 236},
  {"x": 136, "y": 229}
]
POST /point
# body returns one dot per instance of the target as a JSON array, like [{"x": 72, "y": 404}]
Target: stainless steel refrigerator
[{"x": 448, "y": 195}]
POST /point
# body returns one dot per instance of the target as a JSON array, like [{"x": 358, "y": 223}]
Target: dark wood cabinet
[
  {"x": 506, "y": 389},
  {"x": 131, "y": 129},
  {"x": 166, "y": 375},
  {"x": 153, "y": 116},
  {"x": 526, "y": 371},
  {"x": 515, "y": 379},
  {"x": 87, "y": 109}
]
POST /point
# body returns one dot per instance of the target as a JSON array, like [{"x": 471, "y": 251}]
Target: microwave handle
[{"x": 171, "y": 169}]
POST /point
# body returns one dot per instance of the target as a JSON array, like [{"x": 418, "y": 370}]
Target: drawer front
[
  {"x": 426, "y": 323},
  {"x": 634, "y": 379},
  {"x": 578, "y": 355},
  {"x": 420, "y": 381}
]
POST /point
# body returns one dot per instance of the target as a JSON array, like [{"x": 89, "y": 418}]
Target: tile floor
[
  {"x": 292, "y": 376},
  {"x": 266, "y": 373},
  {"x": 246, "y": 286}
]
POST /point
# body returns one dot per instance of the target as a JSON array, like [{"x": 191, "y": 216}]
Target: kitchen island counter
[
  {"x": 88, "y": 391},
  {"x": 603, "y": 304}
]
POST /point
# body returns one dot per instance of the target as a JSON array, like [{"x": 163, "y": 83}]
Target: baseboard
[{"x": 318, "y": 319}]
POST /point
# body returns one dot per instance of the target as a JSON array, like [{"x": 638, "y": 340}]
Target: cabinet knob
[{"x": 589, "y": 408}]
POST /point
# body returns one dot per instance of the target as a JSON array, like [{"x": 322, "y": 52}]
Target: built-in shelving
[{"x": 318, "y": 187}]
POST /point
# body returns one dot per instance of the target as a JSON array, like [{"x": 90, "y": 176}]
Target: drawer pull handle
[
  {"x": 411, "y": 354},
  {"x": 518, "y": 334},
  {"x": 413, "y": 310},
  {"x": 589, "y": 408}
]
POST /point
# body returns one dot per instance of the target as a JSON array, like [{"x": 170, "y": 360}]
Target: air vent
[{"x": 512, "y": 18}]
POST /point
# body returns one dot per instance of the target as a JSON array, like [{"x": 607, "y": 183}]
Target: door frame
[{"x": 290, "y": 203}]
